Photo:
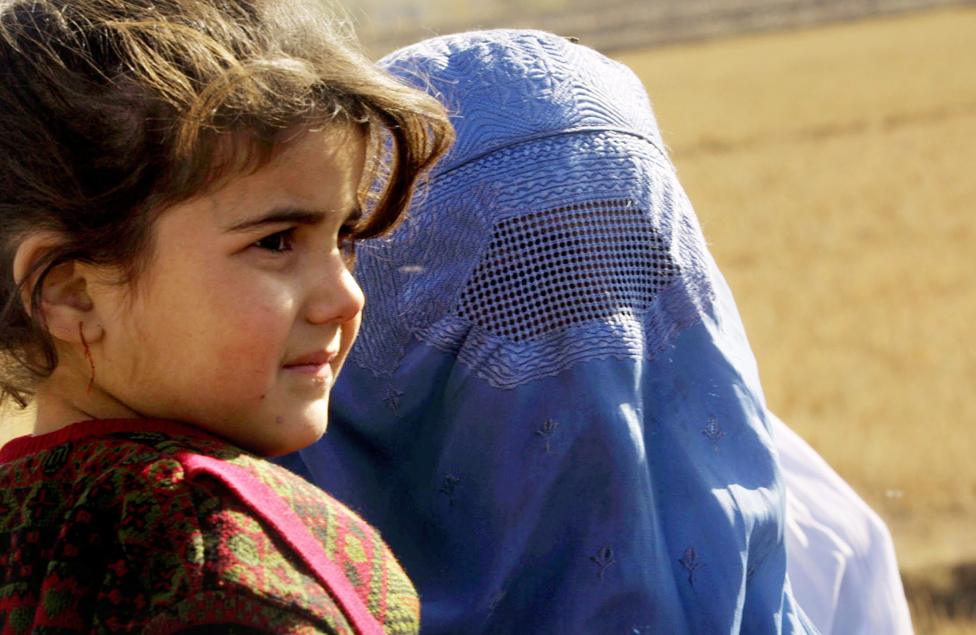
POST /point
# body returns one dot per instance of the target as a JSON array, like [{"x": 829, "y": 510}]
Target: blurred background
[
  {"x": 829, "y": 147},
  {"x": 608, "y": 25}
]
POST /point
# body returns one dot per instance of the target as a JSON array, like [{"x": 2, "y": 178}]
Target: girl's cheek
[
  {"x": 261, "y": 326},
  {"x": 256, "y": 299},
  {"x": 253, "y": 314}
]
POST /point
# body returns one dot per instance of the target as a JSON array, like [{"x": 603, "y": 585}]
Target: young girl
[
  {"x": 570, "y": 435},
  {"x": 180, "y": 183}
]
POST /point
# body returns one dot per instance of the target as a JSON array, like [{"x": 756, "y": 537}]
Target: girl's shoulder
[
  {"x": 228, "y": 537},
  {"x": 361, "y": 571}
]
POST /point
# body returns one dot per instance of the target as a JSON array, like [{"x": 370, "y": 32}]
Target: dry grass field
[{"x": 833, "y": 172}]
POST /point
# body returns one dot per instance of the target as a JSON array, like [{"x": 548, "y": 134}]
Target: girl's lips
[
  {"x": 315, "y": 370},
  {"x": 317, "y": 364}
]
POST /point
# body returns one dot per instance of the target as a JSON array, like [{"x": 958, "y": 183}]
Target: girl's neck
[{"x": 62, "y": 399}]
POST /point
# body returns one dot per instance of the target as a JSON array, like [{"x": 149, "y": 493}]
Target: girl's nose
[{"x": 336, "y": 296}]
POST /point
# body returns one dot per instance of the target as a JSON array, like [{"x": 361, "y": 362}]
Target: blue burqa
[{"x": 552, "y": 413}]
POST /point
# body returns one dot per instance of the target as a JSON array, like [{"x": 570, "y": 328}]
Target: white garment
[{"x": 841, "y": 560}]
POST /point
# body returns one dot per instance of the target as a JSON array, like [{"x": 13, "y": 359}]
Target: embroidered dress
[{"x": 155, "y": 527}]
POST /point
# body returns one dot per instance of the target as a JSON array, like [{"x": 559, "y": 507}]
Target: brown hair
[{"x": 112, "y": 110}]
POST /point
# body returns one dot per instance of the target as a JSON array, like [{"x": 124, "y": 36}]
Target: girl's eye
[{"x": 277, "y": 242}]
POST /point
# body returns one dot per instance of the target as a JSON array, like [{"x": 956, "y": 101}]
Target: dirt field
[
  {"x": 607, "y": 25},
  {"x": 832, "y": 169}
]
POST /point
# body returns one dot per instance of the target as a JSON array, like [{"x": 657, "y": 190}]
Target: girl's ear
[{"x": 67, "y": 310}]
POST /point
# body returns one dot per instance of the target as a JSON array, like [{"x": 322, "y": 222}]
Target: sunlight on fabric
[{"x": 633, "y": 421}]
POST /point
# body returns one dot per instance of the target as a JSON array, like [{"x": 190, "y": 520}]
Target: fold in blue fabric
[{"x": 552, "y": 413}]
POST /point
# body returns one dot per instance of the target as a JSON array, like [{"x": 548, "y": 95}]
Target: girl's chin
[{"x": 292, "y": 438}]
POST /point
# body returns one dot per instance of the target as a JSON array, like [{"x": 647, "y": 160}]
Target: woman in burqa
[{"x": 552, "y": 413}]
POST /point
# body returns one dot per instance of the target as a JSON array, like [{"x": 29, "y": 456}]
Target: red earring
[{"x": 88, "y": 356}]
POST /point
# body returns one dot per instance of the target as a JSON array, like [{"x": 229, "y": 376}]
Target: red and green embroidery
[{"x": 106, "y": 532}]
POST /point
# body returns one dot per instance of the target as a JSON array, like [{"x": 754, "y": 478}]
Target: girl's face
[{"x": 247, "y": 310}]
